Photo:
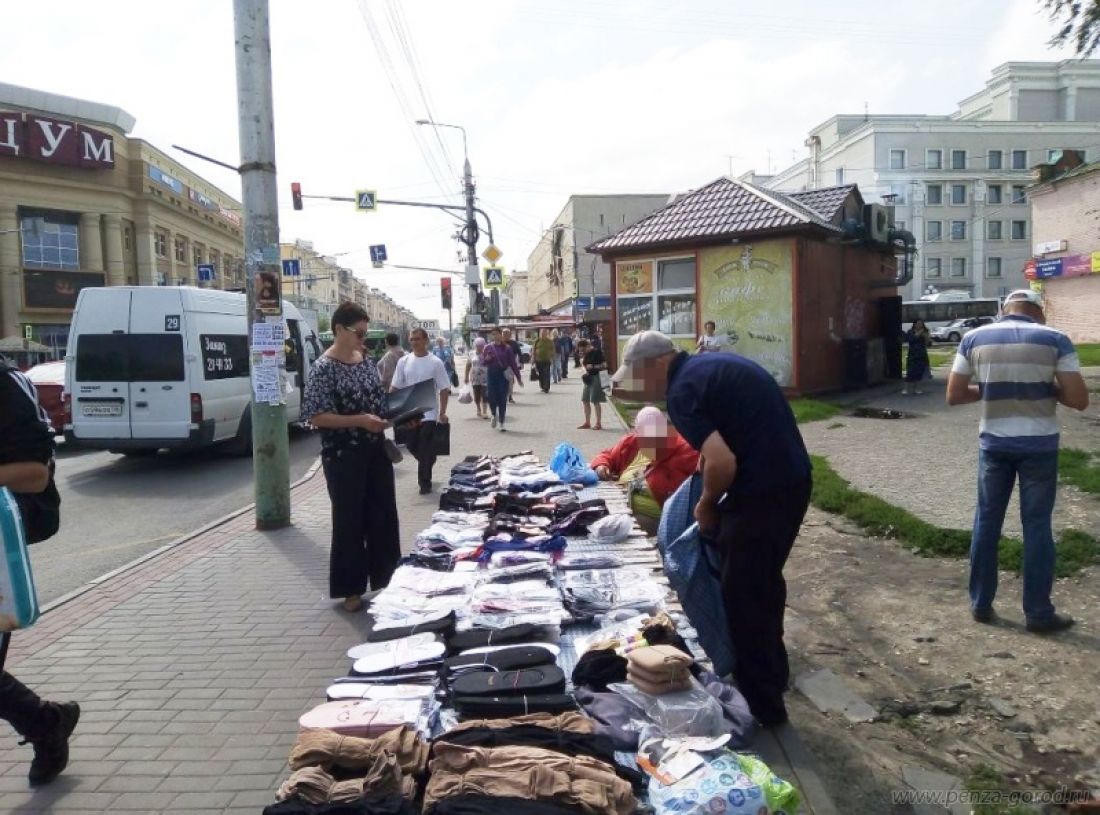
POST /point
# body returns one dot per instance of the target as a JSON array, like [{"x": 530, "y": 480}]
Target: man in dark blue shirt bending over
[{"x": 756, "y": 488}]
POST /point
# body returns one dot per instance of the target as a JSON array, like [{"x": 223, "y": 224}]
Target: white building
[
  {"x": 513, "y": 295},
  {"x": 959, "y": 181},
  {"x": 561, "y": 275}
]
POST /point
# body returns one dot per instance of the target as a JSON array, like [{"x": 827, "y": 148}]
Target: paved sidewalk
[
  {"x": 928, "y": 464},
  {"x": 192, "y": 667}
]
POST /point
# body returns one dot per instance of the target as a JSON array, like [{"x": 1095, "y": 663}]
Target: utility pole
[
  {"x": 471, "y": 222},
  {"x": 270, "y": 443}
]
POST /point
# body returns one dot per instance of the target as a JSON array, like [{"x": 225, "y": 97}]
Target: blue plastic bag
[
  {"x": 571, "y": 467},
  {"x": 18, "y": 600},
  {"x": 692, "y": 569}
]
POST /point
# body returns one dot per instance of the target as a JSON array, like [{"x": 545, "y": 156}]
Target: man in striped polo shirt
[{"x": 1023, "y": 369}]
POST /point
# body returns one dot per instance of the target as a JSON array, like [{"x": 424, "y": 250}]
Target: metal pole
[
  {"x": 471, "y": 221},
  {"x": 270, "y": 444}
]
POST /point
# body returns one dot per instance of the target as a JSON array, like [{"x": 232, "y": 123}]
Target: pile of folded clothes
[{"x": 462, "y": 655}]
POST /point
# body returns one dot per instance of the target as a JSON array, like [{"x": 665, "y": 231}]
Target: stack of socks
[{"x": 659, "y": 669}]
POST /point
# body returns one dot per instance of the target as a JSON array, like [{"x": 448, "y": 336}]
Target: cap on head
[
  {"x": 1025, "y": 296},
  {"x": 642, "y": 346},
  {"x": 650, "y": 422}
]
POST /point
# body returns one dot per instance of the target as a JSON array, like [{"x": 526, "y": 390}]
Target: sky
[{"x": 570, "y": 97}]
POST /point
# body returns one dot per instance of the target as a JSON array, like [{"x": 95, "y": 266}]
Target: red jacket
[{"x": 666, "y": 474}]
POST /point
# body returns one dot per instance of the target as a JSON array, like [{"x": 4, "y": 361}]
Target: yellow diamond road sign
[{"x": 492, "y": 254}]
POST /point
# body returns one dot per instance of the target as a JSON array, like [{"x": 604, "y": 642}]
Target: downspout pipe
[{"x": 904, "y": 240}]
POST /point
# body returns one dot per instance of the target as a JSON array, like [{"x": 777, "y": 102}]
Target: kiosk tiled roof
[
  {"x": 725, "y": 208},
  {"x": 826, "y": 201}
]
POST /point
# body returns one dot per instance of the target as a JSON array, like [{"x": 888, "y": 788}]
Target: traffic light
[
  {"x": 445, "y": 292},
  {"x": 296, "y": 194}
]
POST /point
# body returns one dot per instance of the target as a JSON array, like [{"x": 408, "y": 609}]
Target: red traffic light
[
  {"x": 445, "y": 292},
  {"x": 296, "y": 194}
]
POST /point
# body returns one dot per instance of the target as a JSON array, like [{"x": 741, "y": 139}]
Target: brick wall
[
  {"x": 1069, "y": 211},
  {"x": 1073, "y": 306}
]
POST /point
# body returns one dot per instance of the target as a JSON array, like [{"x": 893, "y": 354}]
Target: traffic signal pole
[{"x": 270, "y": 443}]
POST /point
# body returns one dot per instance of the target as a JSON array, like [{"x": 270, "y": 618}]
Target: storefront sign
[
  {"x": 1076, "y": 266},
  {"x": 162, "y": 177},
  {"x": 635, "y": 314},
  {"x": 1050, "y": 247},
  {"x": 1050, "y": 267},
  {"x": 1069, "y": 266},
  {"x": 200, "y": 199},
  {"x": 229, "y": 215},
  {"x": 749, "y": 294},
  {"x": 634, "y": 277},
  {"x": 55, "y": 141},
  {"x": 56, "y": 290}
]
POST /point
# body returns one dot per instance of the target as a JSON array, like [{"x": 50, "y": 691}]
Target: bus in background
[
  {"x": 938, "y": 310},
  {"x": 374, "y": 342}
]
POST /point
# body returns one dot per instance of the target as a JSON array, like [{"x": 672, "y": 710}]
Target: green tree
[
  {"x": 323, "y": 323},
  {"x": 1078, "y": 23}
]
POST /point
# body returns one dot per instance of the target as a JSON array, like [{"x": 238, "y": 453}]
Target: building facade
[
  {"x": 561, "y": 275},
  {"x": 82, "y": 204},
  {"x": 513, "y": 295},
  {"x": 959, "y": 182},
  {"x": 1065, "y": 214}
]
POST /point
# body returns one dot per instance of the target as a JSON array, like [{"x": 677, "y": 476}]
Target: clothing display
[{"x": 458, "y": 696}]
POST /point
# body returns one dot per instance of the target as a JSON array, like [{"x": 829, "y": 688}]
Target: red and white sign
[{"x": 55, "y": 141}]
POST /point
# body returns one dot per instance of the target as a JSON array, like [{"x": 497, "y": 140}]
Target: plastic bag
[
  {"x": 18, "y": 599},
  {"x": 692, "y": 712},
  {"x": 729, "y": 783},
  {"x": 690, "y": 564},
  {"x": 465, "y": 395},
  {"x": 571, "y": 466}
]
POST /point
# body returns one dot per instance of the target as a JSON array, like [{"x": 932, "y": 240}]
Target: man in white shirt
[
  {"x": 710, "y": 342},
  {"x": 418, "y": 367}
]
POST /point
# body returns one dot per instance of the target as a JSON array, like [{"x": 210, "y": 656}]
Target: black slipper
[{"x": 541, "y": 680}]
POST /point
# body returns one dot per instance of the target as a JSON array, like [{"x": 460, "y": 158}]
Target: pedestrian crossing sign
[
  {"x": 494, "y": 277},
  {"x": 366, "y": 200}
]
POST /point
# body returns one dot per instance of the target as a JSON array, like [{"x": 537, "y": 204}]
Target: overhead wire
[{"x": 394, "y": 80}]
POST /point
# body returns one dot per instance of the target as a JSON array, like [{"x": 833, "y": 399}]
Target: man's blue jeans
[{"x": 997, "y": 471}]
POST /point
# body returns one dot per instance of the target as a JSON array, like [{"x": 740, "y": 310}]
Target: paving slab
[{"x": 194, "y": 665}]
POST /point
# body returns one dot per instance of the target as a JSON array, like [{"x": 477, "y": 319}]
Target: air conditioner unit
[{"x": 876, "y": 220}]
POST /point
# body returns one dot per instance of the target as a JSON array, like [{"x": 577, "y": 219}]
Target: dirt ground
[
  {"x": 951, "y": 694},
  {"x": 895, "y": 628}
]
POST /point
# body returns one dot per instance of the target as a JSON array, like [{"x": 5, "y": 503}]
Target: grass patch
[
  {"x": 1089, "y": 353},
  {"x": 940, "y": 356},
  {"x": 982, "y": 780},
  {"x": 1080, "y": 468},
  {"x": 812, "y": 410},
  {"x": 833, "y": 494},
  {"x": 627, "y": 410}
]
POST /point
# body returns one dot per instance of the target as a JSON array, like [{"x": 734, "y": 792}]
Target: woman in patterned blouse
[{"x": 344, "y": 399}]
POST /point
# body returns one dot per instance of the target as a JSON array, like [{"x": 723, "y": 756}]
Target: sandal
[
  {"x": 597, "y": 427},
  {"x": 585, "y": 426},
  {"x": 353, "y": 603}
]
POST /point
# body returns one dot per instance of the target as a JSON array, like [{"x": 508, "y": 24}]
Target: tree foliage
[{"x": 1078, "y": 23}]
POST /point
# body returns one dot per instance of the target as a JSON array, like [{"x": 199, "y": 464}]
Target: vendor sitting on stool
[{"x": 654, "y": 458}]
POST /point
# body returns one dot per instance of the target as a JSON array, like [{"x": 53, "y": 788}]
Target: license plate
[{"x": 101, "y": 410}]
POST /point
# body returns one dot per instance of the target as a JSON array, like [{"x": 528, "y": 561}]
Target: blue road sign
[
  {"x": 378, "y": 253},
  {"x": 206, "y": 271},
  {"x": 292, "y": 268}
]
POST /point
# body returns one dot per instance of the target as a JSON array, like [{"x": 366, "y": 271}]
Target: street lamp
[{"x": 471, "y": 232}]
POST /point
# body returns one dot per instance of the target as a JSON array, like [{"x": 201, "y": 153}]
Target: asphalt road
[{"x": 115, "y": 509}]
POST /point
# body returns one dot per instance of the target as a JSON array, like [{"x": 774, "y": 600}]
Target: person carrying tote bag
[{"x": 26, "y": 456}]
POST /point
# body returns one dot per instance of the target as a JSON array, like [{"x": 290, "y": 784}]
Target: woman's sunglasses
[{"x": 358, "y": 332}]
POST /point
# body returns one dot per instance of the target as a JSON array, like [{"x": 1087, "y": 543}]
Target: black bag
[
  {"x": 441, "y": 439},
  {"x": 41, "y": 511},
  {"x": 534, "y": 373}
]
